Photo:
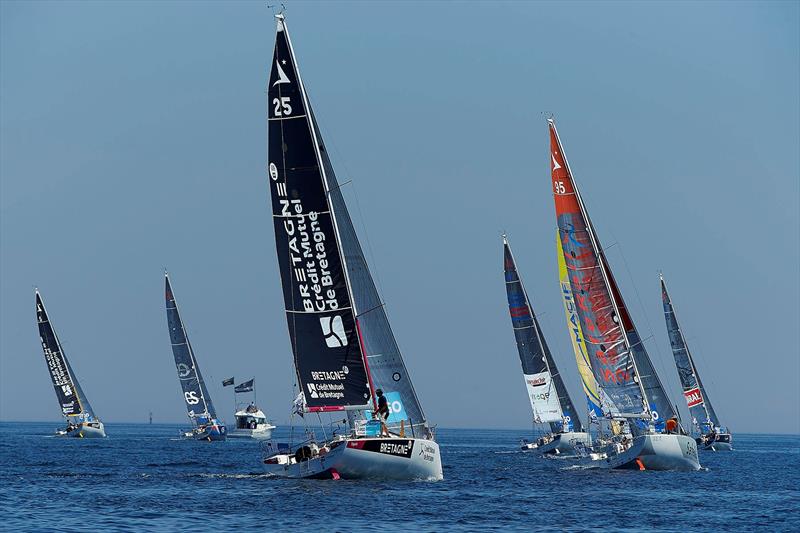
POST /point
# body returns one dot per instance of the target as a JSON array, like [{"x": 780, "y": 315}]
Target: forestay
[
  {"x": 195, "y": 395},
  {"x": 70, "y": 396},
  {"x": 694, "y": 393},
  {"x": 548, "y": 395},
  {"x": 321, "y": 319}
]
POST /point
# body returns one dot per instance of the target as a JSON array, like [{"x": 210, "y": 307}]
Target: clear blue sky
[{"x": 134, "y": 138}]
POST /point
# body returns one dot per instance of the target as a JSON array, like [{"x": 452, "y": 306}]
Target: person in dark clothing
[{"x": 383, "y": 411}]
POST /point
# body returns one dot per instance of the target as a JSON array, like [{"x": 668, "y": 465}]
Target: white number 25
[{"x": 282, "y": 106}]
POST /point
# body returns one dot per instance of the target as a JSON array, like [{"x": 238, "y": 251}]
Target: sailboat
[
  {"x": 549, "y": 397},
  {"x": 81, "y": 420},
  {"x": 345, "y": 354},
  {"x": 713, "y": 436},
  {"x": 195, "y": 394},
  {"x": 628, "y": 386}
]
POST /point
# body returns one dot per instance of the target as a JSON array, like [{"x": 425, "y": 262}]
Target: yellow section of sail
[{"x": 574, "y": 327}]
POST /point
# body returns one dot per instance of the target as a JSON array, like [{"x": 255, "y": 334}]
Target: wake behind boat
[
  {"x": 81, "y": 420},
  {"x": 195, "y": 395},
  {"x": 629, "y": 388},
  {"x": 345, "y": 353},
  {"x": 713, "y": 436},
  {"x": 549, "y": 397}
]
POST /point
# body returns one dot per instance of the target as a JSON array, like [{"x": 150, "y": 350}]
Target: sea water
[{"x": 143, "y": 478}]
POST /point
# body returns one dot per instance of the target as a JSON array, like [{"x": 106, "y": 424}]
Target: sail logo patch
[
  {"x": 333, "y": 331},
  {"x": 282, "y": 77},
  {"x": 183, "y": 370},
  {"x": 556, "y": 166},
  {"x": 693, "y": 397}
]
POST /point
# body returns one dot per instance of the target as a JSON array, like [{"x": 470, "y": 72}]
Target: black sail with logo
[
  {"x": 68, "y": 393},
  {"x": 195, "y": 394},
  {"x": 322, "y": 330}
]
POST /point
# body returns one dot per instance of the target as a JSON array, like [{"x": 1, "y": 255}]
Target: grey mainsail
[{"x": 693, "y": 391}]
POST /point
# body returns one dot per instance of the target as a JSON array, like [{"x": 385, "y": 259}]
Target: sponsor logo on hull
[{"x": 398, "y": 448}]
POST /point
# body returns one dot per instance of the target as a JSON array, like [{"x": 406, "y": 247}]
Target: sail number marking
[
  {"x": 191, "y": 398},
  {"x": 559, "y": 187},
  {"x": 282, "y": 106}
]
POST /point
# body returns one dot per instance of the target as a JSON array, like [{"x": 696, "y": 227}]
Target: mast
[
  {"x": 601, "y": 263},
  {"x": 688, "y": 386}
]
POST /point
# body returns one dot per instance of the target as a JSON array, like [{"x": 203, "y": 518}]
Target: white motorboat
[{"x": 251, "y": 423}]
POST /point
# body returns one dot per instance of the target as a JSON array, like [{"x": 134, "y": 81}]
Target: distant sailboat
[
  {"x": 549, "y": 398},
  {"x": 81, "y": 420},
  {"x": 198, "y": 402},
  {"x": 629, "y": 389},
  {"x": 713, "y": 436},
  {"x": 344, "y": 349}
]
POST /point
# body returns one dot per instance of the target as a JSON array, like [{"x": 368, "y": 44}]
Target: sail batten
[{"x": 539, "y": 369}]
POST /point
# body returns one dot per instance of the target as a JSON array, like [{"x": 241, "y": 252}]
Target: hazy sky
[{"x": 134, "y": 138}]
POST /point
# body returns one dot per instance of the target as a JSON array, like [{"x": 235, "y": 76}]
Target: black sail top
[
  {"x": 70, "y": 397},
  {"x": 195, "y": 394},
  {"x": 325, "y": 341}
]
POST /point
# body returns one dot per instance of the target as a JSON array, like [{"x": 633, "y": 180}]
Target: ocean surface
[{"x": 142, "y": 478}]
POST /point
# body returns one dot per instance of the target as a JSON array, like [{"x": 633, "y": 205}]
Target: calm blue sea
[{"x": 141, "y": 478}]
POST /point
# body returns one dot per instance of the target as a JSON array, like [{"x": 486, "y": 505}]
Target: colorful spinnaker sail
[
  {"x": 195, "y": 394},
  {"x": 697, "y": 400},
  {"x": 590, "y": 388},
  {"x": 629, "y": 386},
  {"x": 344, "y": 348},
  {"x": 548, "y": 395},
  {"x": 74, "y": 405}
]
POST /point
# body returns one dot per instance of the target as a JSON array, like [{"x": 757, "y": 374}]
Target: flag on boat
[
  {"x": 226, "y": 382},
  {"x": 247, "y": 386},
  {"x": 299, "y": 405}
]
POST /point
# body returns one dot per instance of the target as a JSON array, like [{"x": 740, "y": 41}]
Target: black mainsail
[
  {"x": 549, "y": 398},
  {"x": 71, "y": 399},
  {"x": 195, "y": 394},
  {"x": 344, "y": 347}
]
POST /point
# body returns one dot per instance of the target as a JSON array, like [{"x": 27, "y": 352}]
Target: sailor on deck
[{"x": 382, "y": 412}]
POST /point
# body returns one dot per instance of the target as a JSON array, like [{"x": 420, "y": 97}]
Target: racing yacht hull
[
  {"x": 363, "y": 458},
  {"x": 656, "y": 452}
]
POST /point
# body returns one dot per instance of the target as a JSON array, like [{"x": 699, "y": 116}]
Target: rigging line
[
  {"x": 664, "y": 368},
  {"x": 375, "y": 271}
]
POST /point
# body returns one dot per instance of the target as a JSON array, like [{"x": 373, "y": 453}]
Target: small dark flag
[
  {"x": 247, "y": 386},
  {"x": 226, "y": 382}
]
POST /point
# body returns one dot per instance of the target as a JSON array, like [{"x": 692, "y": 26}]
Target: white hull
[
  {"x": 257, "y": 434},
  {"x": 656, "y": 452},
  {"x": 365, "y": 458},
  {"x": 561, "y": 444},
  {"x": 84, "y": 431},
  {"x": 722, "y": 442}
]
